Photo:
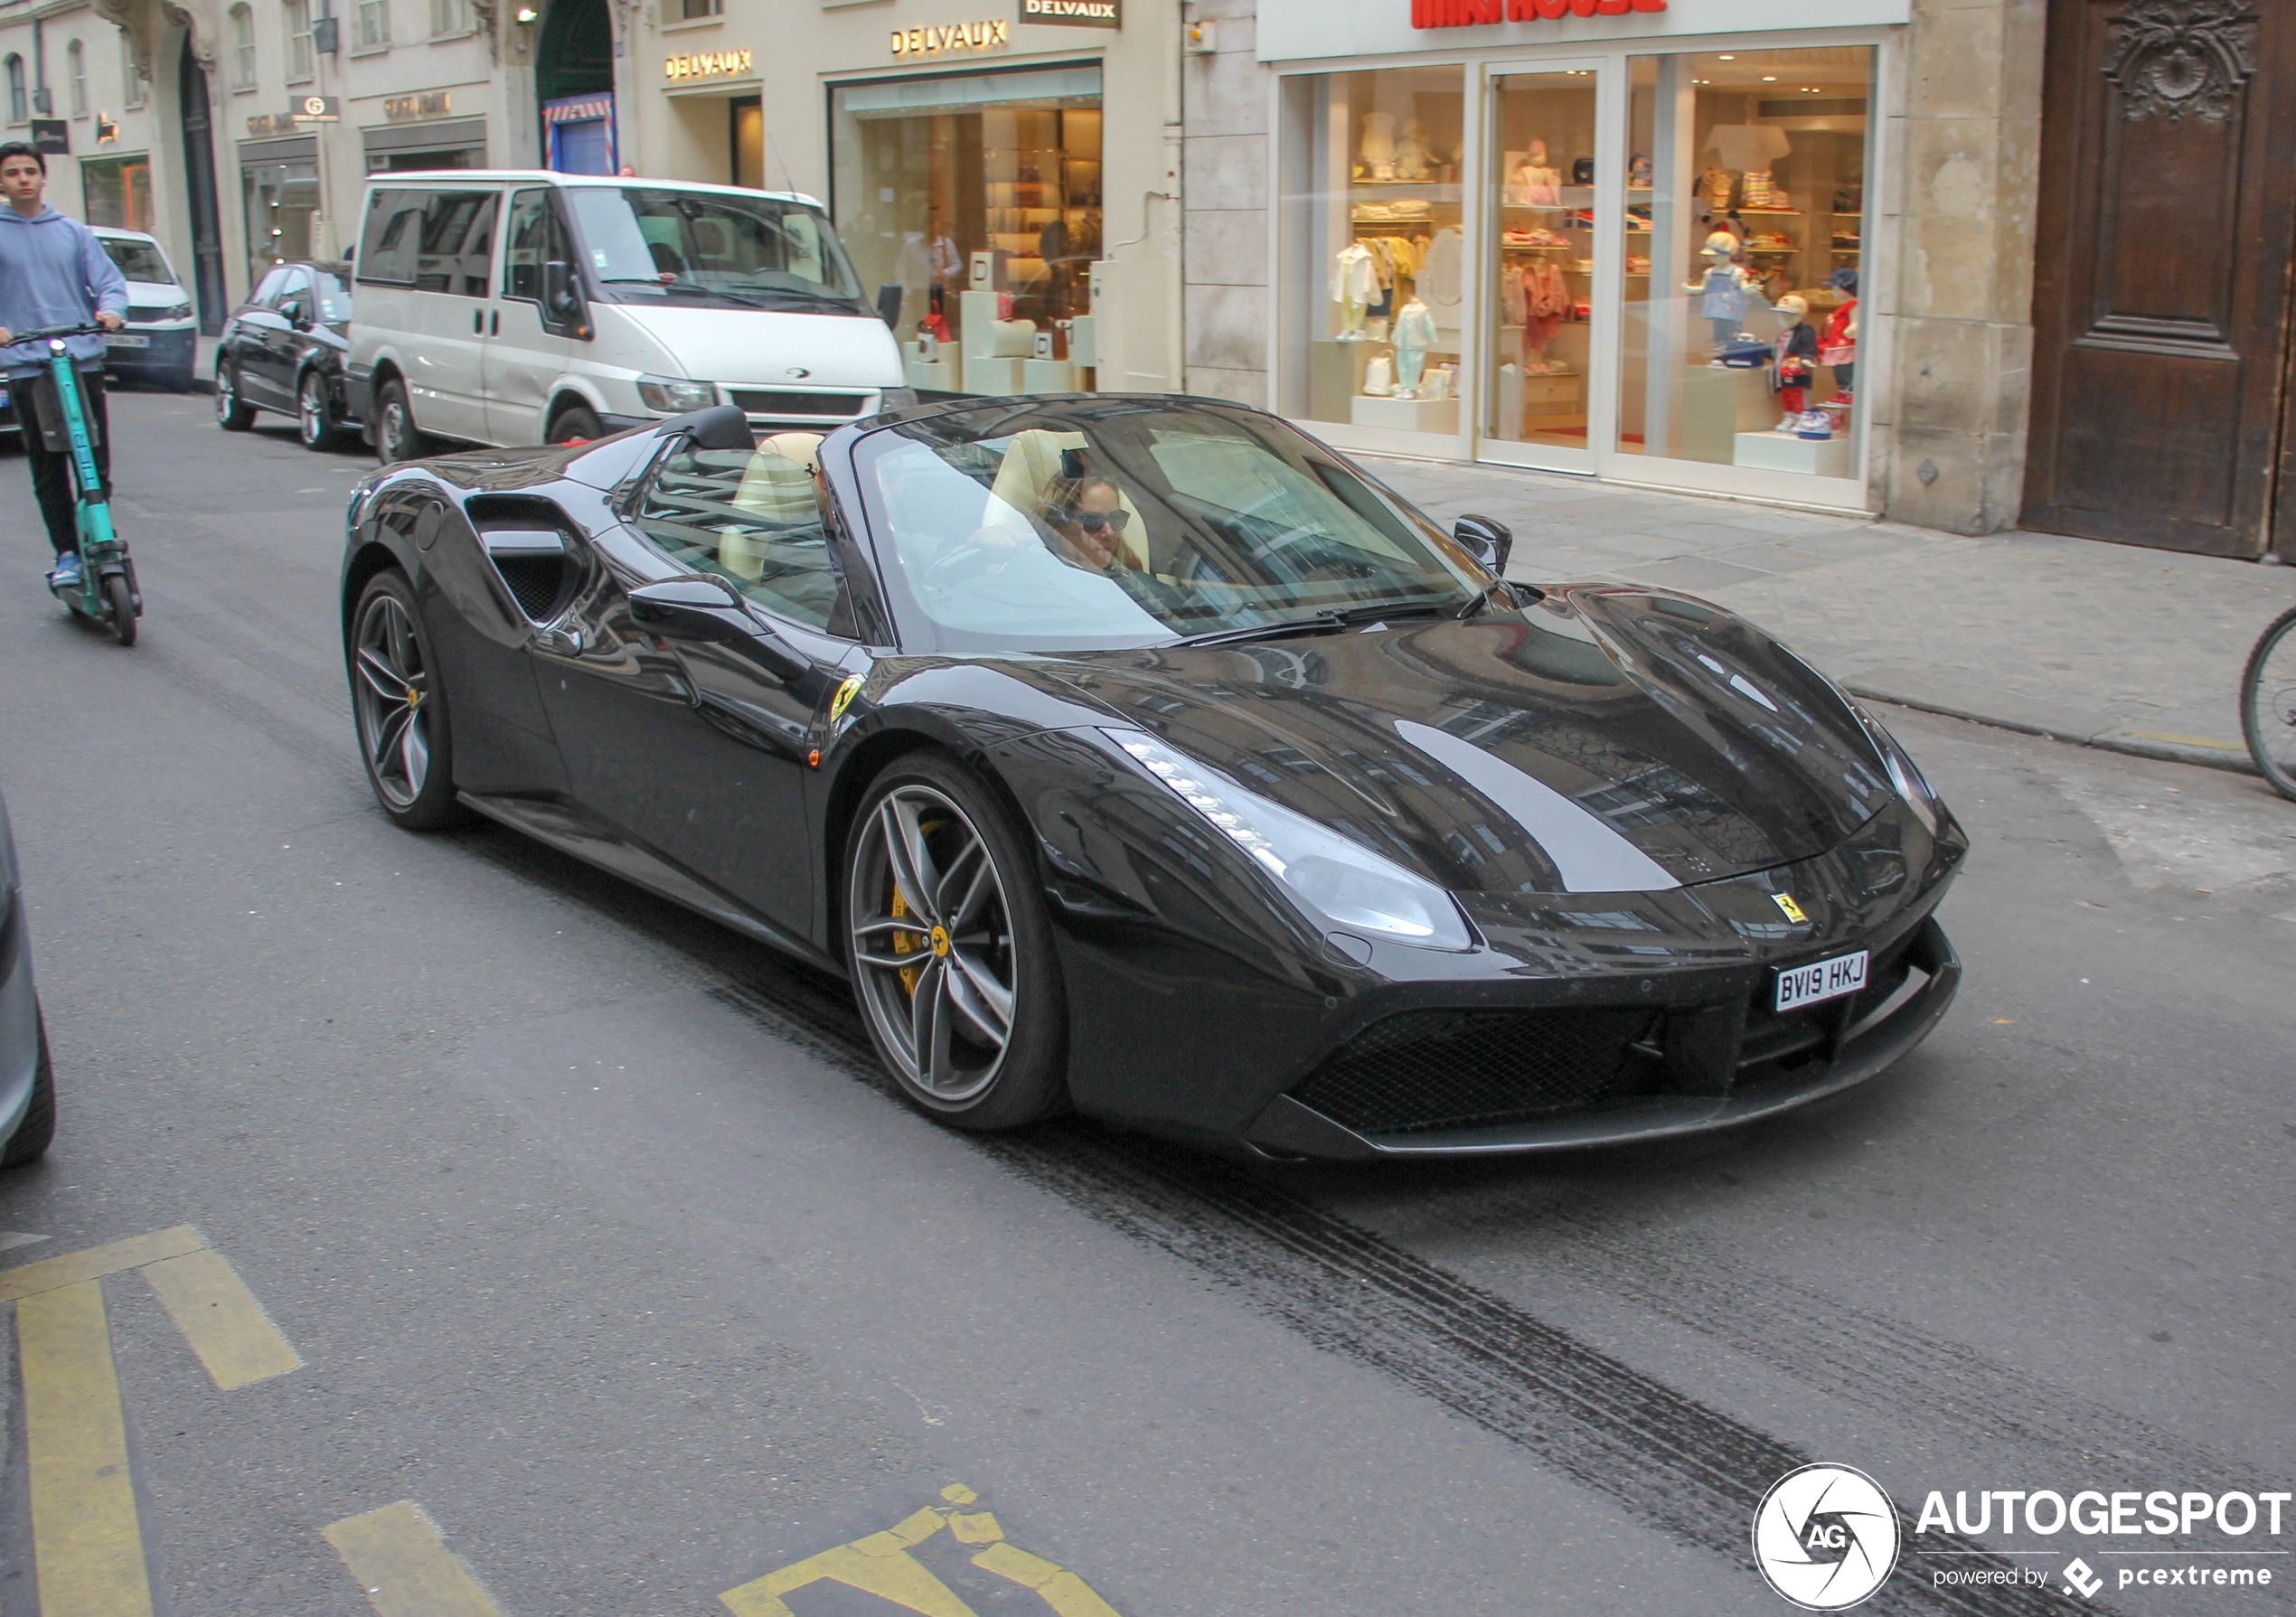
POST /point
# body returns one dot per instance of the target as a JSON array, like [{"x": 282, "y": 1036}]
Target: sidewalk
[{"x": 2108, "y": 646}]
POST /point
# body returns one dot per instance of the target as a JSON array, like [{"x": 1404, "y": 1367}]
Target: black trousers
[{"x": 52, "y": 472}]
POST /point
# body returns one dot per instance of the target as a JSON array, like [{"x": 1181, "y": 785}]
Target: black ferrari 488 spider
[{"x": 1143, "y": 756}]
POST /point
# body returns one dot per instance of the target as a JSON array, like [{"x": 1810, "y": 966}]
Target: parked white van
[{"x": 519, "y": 307}]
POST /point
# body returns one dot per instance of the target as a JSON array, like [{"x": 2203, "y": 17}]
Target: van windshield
[
  {"x": 138, "y": 261},
  {"x": 651, "y": 244}
]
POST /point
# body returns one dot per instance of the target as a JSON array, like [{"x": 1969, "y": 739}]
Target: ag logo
[{"x": 1825, "y": 1537}]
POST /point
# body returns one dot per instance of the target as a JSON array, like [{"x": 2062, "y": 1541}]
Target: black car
[
  {"x": 282, "y": 350},
  {"x": 1143, "y": 756}
]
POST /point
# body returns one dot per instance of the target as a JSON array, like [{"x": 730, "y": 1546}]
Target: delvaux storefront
[
  {"x": 978, "y": 155},
  {"x": 1621, "y": 237}
]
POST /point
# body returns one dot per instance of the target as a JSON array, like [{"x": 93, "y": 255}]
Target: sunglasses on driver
[{"x": 1093, "y": 522}]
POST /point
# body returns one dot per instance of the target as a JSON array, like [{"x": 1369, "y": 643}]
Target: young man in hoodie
[{"x": 53, "y": 272}]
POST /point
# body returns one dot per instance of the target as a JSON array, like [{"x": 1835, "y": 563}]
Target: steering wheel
[{"x": 976, "y": 555}]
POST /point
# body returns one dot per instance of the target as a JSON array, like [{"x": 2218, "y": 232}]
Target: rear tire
[
  {"x": 396, "y": 437},
  {"x": 232, "y": 413},
  {"x": 975, "y": 1032},
  {"x": 399, "y": 707},
  {"x": 122, "y": 601},
  {"x": 575, "y": 425},
  {"x": 29, "y": 1144}
]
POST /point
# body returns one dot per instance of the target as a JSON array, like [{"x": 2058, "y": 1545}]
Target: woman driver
[{"x": 1087, "y": 517}]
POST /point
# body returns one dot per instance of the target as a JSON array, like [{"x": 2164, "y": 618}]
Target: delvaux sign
[
  {"x": 951, "y": 36},
  {"x": 1470, "y": 13},
  {"x": 708, "y": 64},
  {"x": 1073, "y": 13}
]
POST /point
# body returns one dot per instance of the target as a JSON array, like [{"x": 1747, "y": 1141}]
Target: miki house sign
[{"x": 1470, "y": 14}]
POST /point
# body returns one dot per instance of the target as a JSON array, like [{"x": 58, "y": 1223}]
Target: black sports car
[
  {"x": 1143, "y": 756},
  {"x": 282, "y": 350}
]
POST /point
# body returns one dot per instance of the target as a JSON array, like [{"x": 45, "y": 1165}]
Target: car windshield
[
  {"x": 1123, "y": 524},
  {"x": 653, "y": 244},
  {"x": 138, "y": 261}
]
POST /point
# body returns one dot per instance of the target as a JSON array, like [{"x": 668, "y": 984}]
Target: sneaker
[
  {"x": 1788, "y": 422},
  {"x": 67, "y": 570},
  {"x": 1814, "y": 424}
]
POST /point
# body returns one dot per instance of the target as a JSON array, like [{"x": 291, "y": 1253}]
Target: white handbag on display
[{"x": 1379, "y": 377}]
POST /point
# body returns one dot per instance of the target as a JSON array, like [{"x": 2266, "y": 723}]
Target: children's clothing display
[
  {"x": 1379, "y": 377},
  {"x": 1794, "y": 351},
  {"x": 1839, "y": 347},
  {"x": 1545, "y": 300},
  {"x": 1415, "y": 334},
  {"x": 1355, "y": 286}
]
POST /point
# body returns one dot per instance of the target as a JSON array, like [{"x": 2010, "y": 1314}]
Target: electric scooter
[{"x": 107, "y": 592}]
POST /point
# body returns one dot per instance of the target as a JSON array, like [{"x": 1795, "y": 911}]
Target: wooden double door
[{"x": 2163, "y": 411}]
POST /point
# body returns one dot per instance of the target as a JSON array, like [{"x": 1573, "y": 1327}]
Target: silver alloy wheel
[
  {"x": 933, "y": 946},
  {"x": 394, "y": 727},
  {"x": 312, "y": 410},
  {"x": 227, "y": 392}
]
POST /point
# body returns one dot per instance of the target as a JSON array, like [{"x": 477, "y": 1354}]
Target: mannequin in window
[
  {"x": 1411, "y": 154},
  {"x": 1535, "y": 184},
  {"x": 1355, "y": 286},
  {"x": 1794, "y": 359},
  {"x": 1378, "y": 149},
  {"x": 1838, "y": 349},
  {"x": 1415, "y": 334},
  {"x": 1723, "y": 288}
]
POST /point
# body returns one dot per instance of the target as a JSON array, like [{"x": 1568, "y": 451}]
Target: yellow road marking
[
  {"x": 2210, "y": 742},
  {"x": 86, "y": 1541},
  {"x": 880, "y": 1564},
  {"x": 221, "y": 1320},
  {"x": 405, "y": 1566},
  {"x": 73, "y": 1267}
]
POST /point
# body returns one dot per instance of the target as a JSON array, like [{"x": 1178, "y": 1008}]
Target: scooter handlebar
[{"x": 90, "y": 330}]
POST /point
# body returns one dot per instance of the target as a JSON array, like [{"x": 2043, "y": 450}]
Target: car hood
[
  {"x": 771, "y": 348},
  {"x": 1605, "y": 740}
]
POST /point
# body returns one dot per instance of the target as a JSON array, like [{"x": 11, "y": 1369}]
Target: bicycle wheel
[{"x": 2268, "y": 704}]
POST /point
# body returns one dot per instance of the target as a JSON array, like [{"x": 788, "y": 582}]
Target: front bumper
[
  {"x": 169, "y": 355},
  {"x": 19, "y": 1016}
]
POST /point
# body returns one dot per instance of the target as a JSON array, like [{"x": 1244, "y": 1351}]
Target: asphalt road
[{"x": 601, "y": 1242}]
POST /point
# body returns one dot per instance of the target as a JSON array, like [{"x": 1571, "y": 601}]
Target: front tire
[
  {"x": 2268, "y": 704},
  {"x": 396, "y": 437},
  {"x": 314, "y": 417},
  {"x": 30, "y": 1143},
  {"x": 575, "y": 425},
  {"x": 405, "y": 738},
  {"x": 232, "y": 413},
  {"x": 121, "y": 600},
  {"x": 951, "y": 950}
]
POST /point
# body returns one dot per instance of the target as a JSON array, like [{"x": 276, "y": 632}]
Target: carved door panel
[{"x": 2161, "y": 276}]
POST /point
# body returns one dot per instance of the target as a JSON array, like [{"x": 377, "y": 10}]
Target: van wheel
[
  {"x": 396, "y": 437},
  {"x": 575, "y": 425}
]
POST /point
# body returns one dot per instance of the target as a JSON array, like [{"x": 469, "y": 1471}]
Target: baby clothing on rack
[
  {"x": 1355, "y": 285},
  {"x": 1536, "y": 187}
]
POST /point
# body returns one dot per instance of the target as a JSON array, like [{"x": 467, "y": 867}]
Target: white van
[{"x": 533, "y": 307}]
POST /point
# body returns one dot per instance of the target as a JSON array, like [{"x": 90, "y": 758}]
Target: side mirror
[
  {"x": 562, "y": 296},
  {"x": 1487, "y": 539},
  {"x": 888, "y": 304}
]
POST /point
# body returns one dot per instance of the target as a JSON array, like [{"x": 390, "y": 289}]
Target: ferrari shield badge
[
  {"x": 844, "y": 697},
  {"x": 1784, "y": 901}
]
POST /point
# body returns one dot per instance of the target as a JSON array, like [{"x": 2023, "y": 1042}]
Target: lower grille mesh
[
  {"x": 1443, "y": 1069},
  {"x": 759, "y": 402}
]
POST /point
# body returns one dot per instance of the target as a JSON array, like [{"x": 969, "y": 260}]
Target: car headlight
[
  {"x": 674, "y": 398},
  {"x": 1905, "y": 775},
  {"x": 176, "y": 311},
  {"x": 1333, "y": 879}
]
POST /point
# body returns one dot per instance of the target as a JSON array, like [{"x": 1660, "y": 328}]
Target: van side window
[
  {"x": 457, "y": 253},
  {"x": 535, "y": 237},
  {"x": 393, "y": 231}
]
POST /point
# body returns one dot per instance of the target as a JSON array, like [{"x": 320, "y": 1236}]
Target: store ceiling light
[
  {"x": 1769, "y": 78},
  {"x": 1726, "y": 59}
]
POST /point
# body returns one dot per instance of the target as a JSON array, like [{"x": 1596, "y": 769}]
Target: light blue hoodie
[{"x": 53, "y": 272}]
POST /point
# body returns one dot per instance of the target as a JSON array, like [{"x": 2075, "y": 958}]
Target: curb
[{"x": 2235, "y": 763}]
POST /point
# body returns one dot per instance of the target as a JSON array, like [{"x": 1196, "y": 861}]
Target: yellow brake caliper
[{"x": 903, "y": 945}]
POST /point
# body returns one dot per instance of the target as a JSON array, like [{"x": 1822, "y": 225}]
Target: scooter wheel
[{"x": 123, "y": 608}]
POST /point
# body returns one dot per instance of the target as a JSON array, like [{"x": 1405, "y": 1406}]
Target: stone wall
[
  {"x": 1949, "y": 445},
  {"x": 1226, "y": 303}
]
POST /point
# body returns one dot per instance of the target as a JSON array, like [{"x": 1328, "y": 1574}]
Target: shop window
[
  {"x": 281, "y": 199},
  {"x": 1749, "y": 170},
  {"x": 294, "y": 20},
  {"x": 1541, "y": 196},
  {"x": 76, "y": 71},
  {"x": 979, "y": 197},
  {"x": 748, "y": 120},
  {"x": 374, "y": 21},
  {"x": 119, "y": 190},
  {"x": 242, "y": 46},
  {"x": 1373, "y": 249},
  {"x": 19, "y": 108}
]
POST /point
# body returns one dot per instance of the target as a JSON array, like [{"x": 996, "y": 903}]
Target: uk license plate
[
  {"x": 1821, "y": 980},
  {"x": 126, "y": 339}
]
